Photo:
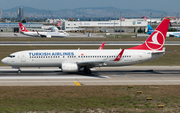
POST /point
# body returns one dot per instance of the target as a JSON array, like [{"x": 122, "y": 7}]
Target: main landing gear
[{"x": 87, "y": 70}]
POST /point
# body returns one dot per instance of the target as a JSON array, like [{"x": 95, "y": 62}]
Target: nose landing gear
[{"x": 19, "y": 70}]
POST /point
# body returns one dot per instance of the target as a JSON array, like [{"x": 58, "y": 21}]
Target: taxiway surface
[
  {"x": 130, "y": 75},
  {"x": 90, "y": 43}
]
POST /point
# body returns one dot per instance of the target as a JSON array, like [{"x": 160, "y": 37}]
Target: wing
[{"x": 100, "y": 63}]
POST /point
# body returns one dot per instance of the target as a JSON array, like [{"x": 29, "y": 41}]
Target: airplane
[
  {"x": 123, "y": 18},
  {"x": 54, "y": 32},
  {"x": 74, "y": 60},
  {"x": 150, "y": 29},
  {"x": 169, "y": 34},
  {"x": 27, "y": 32},
  {"x": 144, "y": 18},
  {"x": 170, "y": 26}
]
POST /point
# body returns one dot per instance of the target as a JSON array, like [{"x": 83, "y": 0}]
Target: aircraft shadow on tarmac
[{"x": 94, "y": 73}]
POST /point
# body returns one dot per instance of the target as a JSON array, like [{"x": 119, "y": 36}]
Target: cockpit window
[{"x": 11, "y": 56}]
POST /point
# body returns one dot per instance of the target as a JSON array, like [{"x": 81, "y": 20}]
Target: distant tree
[
  {"x": 23, "y": 21},
  {"x": 172, "y": 29}
]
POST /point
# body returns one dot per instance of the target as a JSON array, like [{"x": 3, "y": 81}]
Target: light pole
[
  {"x": 150, "y": 18},
  {"x": 114, "y": 22},
  {"x": 120, "y": 24},
  {"x": 177, "y": 22}
]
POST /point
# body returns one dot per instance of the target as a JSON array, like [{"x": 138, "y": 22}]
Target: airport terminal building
[
  {"x": 14, "y": 27},
  {"x": 129, "y": 25}
]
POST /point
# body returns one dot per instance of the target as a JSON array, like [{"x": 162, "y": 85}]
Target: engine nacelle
[
  {"x": 69, "y": 67},
  {"x": 48, "y": 36}
]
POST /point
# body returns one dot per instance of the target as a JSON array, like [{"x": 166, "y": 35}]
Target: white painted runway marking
[
  {"x": 123, "y": 81},
  {"x": 52, "y": 77},
  {"x": 72, "y": 44},
  {"x": 36, "y": 70}
]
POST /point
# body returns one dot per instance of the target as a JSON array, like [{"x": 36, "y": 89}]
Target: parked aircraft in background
[
  {"x": 54, "y": 32},
  {"x": 74, "y": 60},
  {"x": 123, "y": 18},
  {"x": 169, "y": 34},
  {"x": 170, "y": 26},
  {"x": 26, "y": 32},
  {"x": 144, "y": 18},
  {"x": 150, "y": 29}
]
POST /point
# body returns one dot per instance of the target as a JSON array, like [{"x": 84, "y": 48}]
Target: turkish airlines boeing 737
[
  {"x": 74, "y": 60},
  {"x": 54, "y": 32}
]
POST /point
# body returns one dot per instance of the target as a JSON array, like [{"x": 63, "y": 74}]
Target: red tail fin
[
  {"x": 156, "y": 40},
  {"x": 59, "y": 24},
  {"x": 23, "y": 29},
  {"x": 144, "y": 18},
  {"x": 123, "y": 18},
  {"x": 102, "y": 46}
]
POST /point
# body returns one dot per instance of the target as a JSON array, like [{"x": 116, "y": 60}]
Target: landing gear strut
[{"x": 87, "y": 70}]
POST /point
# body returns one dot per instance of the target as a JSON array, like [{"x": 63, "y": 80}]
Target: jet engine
[{"x": 69, "y": 67}]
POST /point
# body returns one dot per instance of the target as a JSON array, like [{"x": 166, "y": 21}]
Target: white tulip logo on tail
[
  {"x": 156, "y": 41},
  {"x": 22, "y": 27}
]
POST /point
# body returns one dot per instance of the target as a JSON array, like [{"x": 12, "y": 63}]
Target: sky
[{"x": 163, "y": 5}]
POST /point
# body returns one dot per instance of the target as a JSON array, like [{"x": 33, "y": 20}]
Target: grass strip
[
  {"x": 108, "y": 38},
  {"x": 87, "y": 98}
]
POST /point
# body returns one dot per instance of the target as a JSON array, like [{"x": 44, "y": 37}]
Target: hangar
[
  {"x": 14, "y": 27},
  {"x": 129, "y": 25}
]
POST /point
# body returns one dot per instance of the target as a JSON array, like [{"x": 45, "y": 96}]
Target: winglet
[
  {"x": 102, "y": 46},
  {"x": 37, "y": 32},
  {"x": 119, "y": 56}
]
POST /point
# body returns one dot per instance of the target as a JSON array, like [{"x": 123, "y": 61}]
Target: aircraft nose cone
[{"x": 4, "y": 60}]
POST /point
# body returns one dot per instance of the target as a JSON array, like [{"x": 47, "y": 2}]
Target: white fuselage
[
  {"x": 46, "y": 34},
  {"x": 176, "y": 34},
  {"x": 53, "y": 34},
  {"x": 93, "y": 58},
  {"x": 34, "y": 34}
]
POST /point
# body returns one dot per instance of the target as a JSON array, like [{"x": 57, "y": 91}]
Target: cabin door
[{"x": 23, "y": 57}]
